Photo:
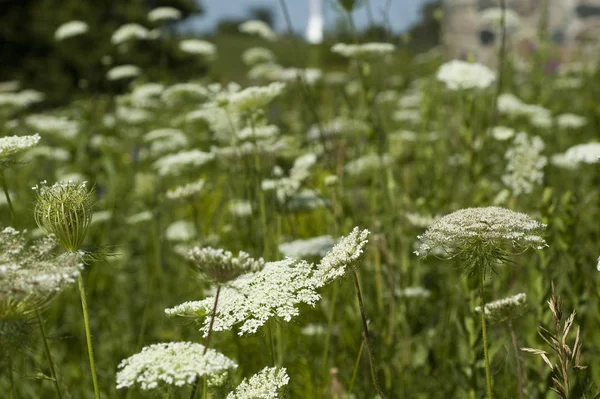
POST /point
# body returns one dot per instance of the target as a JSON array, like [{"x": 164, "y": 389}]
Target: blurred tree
[
  {"x": 30, "y": 53},
  {"x": 426, "y": 33}
]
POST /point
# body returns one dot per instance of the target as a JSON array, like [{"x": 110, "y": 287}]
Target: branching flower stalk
[
  {"x": 64, "y": 213},
  {"x": 481, "y": 238}
]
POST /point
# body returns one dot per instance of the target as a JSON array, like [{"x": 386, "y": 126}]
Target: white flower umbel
[
  {"x": 14, "y": 144},
  {"x": 57, "y": 126},
  {"x": 174, "y": 164},
  {"x": 258, "y": 28},
  {"x": 252, "y": 299},
  {"x": 30, "y": 274},
  {"x": 257, "y": 55},
  {"x": 315, "y": 246},
  {"x": 577, "y": 155},
  {"x": 70, "y": 29},
  {"x": 571, "y": 121},
  {"x": 221, "y": 266},
  {"x": 343, "y": 257},
  {"x": 129, "y": 32},
  {"x": 525, "y": 164},
  {"x": 123, "y": 72},
  {"x": 198, "y": 47},
  {"x": 173, "y": 363},
  {"x": 413, "y": 292},
  {"x": 458, "y": 75},
  {"x": 502, "y": 133},
  {"x": 266, "y": 384},
  {"x": 364, "y": 50},
  {"x": 367, "y": 164},
  {"x": 506, "y": 309},
  {"x": 181, "y": 230},
  {"x": 161, "y": 14},
  {"x": 255, "y": 97},
  {"x": 489, "y": 231},
  {"x": 186, "y": 191}
]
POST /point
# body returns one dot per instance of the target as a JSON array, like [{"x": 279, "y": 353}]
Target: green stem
[
  {"x": 271, "y": 342},
  {"x": 13, "y": 390},
  {"x": 330, "y": 326},
  {"x": 88, "y": 336},
  {"x": 488, "y": 377},
  {"x": 355, "y": 370},
  {"x": 8, "y": 201},
  {"x": 48, "y": 355},
  {"x": 513, "y": 337},
  {"x": 366, "y": 337}
]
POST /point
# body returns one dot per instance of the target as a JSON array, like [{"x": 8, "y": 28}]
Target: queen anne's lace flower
[
  {"x": 14, "y": 144},
  {"x": 221, "y": 266},
  {"x": 363, "y": 50},
  {"x": 580, "y": 154},
  {"x": 257, "y": 55},
  {"x": 316, "y": 246},
  {"x": 571, "y": 121},
  {"x": 505, "y": 309},
  {"x": 186, "y": 191},
  {"x": 459, "y": 75},
  {"x": 128, "y": 32},
  {"x": 255, "y": 97},
  {"x": 123, "y": 72},
  {"x": 174, "y": 164},
  {"x": 70, "y": 29},
  {"x": 343, "y": 258},
  {"x": 525, "y": 167},
  {"x": 198, "y": 47},
  {"x": 266, "y": 384},
  {"x": 259, "y": 28},
  {"x": 485, "y": 230},
  {"x": 173, "y": 363},
  {"x": 160, "y": 14},
  {"x": 252, "y": 299}
]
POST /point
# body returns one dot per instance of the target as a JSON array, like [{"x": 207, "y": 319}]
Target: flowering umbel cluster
[
  {"x": 172, "y": 363},
  {"x": 506, "y": 309},
  {"x": 30, "y": 276},
  {"x": 221, "y": 266},
  {"x": 266, "y": 384},
  {"x": 64, "y": 211},
  {"x": 489, "y": 233},
  {"x": 275, "y": 291}
]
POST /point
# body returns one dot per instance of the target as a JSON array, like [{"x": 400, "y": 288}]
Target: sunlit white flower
[
  {"x": 266, "y": 384},
  {"x": 407, "y": 115},
  {"x": 21, "y": 99},
  {"x": 259, "y": 28},
  {"x": 487, "y": 230},
  {"x": 146, "y": 95},
  {"x": 70, "y": 29},
  {"x": 343, "y": 257},
  {"x": 198, "y": 47},
  {"x": 160, "y": 14},
  {"x": 338, "y": 126},
  {"x": 186, "y": 191},
  {"x": 420, "y": 220},
  {"x": 49, "y": 153},
  {"x": 10, "y": 145},
  {"x": 140, "y": 217},
  {"x": 220, "y": 266},
  {"x": 123, "y": 72},
  {"x": 183, "y": 92},
  {"x": 525, "y": 164},
  {"x": 57, "y": 126},
  {"x": 172, "y": 363},
  {"x": 363, "y": 50},
  {"x": 240, "y": 208},
  {"x": 413, "y": 292},
  {"x": 309, "y": 75},
  {"x": 257, "y": 55},
  {"x": 255, "y": 97},
  {"x": 506, "y": 309},
  {"x": 459, "y": 75},
  {"x": 175, "y": 163},
  {"x": 181, "y": 230},
  {"x": 571, "y": 121},
  {"x": 367, "y": 164},
  {"x": 315, "y": 246},
  {"x": 510, "y": 104},
  {"x": 577, "y": 155},
  {"x": 252, "y": 299},
  {"x": 258, "y": 132},
  {"x": 128, "y": 32},
  {"x": 502, "y": 133}
]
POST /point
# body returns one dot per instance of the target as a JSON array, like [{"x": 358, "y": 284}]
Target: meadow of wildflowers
[{"x": 390, "y": 226}]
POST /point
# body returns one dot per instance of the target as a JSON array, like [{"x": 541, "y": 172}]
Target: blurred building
[{"x": 471, "y": 28}]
